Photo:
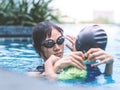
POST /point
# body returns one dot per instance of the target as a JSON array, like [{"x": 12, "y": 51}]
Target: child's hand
[
  {"x": 98, "y": 54},
  {"x": 72, "y": 40}
]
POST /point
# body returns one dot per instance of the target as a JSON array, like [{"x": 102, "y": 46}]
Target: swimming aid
[{"x": 73, "y": 73}]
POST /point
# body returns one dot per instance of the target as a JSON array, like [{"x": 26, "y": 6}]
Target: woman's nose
[{"x": 56, "y": 47}]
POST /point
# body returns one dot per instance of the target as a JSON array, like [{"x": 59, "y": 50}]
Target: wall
[{"x": 15, "y": 31}]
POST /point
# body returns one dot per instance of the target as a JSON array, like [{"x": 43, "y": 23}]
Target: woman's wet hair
[
  {"x": 92, "y": 36},
  {"x": 41, "y": 31}
]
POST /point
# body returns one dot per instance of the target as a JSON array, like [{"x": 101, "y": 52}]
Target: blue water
[{"x": 20, "y": 56}]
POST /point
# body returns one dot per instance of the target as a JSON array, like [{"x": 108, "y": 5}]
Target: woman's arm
[
  {"x": 49, "y": 68},
  {"x": 54, "y": 64},
  {"x": 73, "y": 59}
]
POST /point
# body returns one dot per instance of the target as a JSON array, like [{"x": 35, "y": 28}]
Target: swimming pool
[{"x": 18, "y": 55}]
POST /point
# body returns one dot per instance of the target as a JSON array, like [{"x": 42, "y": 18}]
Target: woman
[{"x": 48, "y": 40}]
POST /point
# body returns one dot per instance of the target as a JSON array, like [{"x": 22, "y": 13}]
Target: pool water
[{"x": 19, "y": 55}]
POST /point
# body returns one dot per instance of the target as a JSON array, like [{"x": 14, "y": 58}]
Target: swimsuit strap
[{"x": 40, "y": 68}]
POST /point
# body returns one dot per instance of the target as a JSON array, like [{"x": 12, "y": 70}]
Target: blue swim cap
[{"x": 92, "y": 36}]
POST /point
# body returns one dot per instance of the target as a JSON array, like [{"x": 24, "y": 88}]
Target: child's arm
[{"x": 109, "y": 68}]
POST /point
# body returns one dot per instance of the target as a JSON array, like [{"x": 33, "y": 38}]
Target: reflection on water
[{"x": 20, "y": 56}]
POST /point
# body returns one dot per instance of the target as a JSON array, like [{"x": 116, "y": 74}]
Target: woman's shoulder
[
  {"x": 39, "y": 72},
  {"x": 36, "y": 74}
]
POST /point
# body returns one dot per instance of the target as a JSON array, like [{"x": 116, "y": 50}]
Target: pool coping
[
  {"x": 14, "y": 81},
  {"x": 15, "y": 31}
]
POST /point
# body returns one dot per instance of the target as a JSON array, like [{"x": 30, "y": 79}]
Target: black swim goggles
[{"x": 50, "y": 43}]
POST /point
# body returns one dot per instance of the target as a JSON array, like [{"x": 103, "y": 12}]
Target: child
[{"x": 89, "y": 37}]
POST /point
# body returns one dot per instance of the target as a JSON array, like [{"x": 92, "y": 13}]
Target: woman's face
[{"x": 57, "y": 49}]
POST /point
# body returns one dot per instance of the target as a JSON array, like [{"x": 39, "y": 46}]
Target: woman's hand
[
  {"x": 52, "y": 59},
  {"x": 49, "y": 69},
  {"x": 98, "y": 54},
  {"x": 72, "y": 40},
  {"x": 74, "y": 59}
]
